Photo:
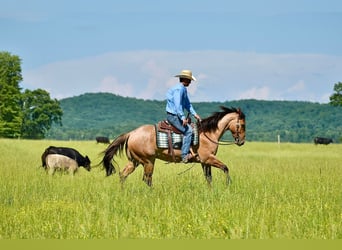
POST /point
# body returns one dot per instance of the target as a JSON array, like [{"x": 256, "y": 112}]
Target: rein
[
  {"x": 186, "y": 170},
  {"x": 219, "y": 142}
]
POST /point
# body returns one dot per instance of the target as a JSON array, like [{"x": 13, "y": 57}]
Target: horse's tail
[{"x": 113, "y": 149}]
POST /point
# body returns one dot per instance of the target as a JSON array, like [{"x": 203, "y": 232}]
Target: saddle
[
  {"x": 165, "y": 126},
  {"x": 171, "y": 138}
]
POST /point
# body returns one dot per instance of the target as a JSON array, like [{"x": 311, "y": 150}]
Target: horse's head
[
  {"x": 238, "y": 127},
  {"x": 232, "y": 119}
]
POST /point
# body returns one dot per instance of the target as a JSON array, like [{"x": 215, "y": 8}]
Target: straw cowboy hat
[{"x": 186, "y": 74}]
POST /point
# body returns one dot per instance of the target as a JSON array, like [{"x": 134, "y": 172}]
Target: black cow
[
  {"x": 102, "y": 139},
  {"x": 321, "y": 140},
  {"x": 69, "y": 152}
]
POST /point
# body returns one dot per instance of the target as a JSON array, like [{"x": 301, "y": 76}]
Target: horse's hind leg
[
  {"x": 148, "y": 172},
  {"x": 129, "y": 168}
]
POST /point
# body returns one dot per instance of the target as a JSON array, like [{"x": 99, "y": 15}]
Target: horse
[
  {"x": 60, "y": 162},
  {"x": 72, "y": 153},
  {"x": 141, "y": 148}
]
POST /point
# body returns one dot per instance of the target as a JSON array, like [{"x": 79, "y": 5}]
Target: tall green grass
[{"x": 286, "y": 191}]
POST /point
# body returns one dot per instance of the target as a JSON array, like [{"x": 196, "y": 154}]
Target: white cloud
[
  {"x": 112, "y": 85},
  {"x": 299, "y": 86},
  {"x": 262, "y": 93},
  {"x": 222, "y": 75}
]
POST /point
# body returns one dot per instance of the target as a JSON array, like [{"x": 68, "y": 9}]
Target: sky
[{"x": 247, "y": 49}]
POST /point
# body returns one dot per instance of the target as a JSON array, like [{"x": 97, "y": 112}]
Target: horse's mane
[{"x": 209, "y": 124}]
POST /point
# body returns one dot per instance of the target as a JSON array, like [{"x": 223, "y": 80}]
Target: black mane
[{"x": 209, "y": 124}]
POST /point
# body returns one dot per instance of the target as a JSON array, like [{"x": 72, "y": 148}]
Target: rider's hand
[
  {"x": 185, "y": 122},
  {"x": 198, "y": 117}
]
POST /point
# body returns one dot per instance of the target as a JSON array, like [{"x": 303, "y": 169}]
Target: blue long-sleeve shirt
[{"x": 177, "y": 101}]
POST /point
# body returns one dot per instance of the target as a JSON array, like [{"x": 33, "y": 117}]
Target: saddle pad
[{"x": 177, "y": 139}]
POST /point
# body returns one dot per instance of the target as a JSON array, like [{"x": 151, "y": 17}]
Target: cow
[
  {"x": 69, "y": 152},
  {"x": 60, "y": 162},
  {"x": 102, "y": 139},
  {"x": 322, "y": 140}
]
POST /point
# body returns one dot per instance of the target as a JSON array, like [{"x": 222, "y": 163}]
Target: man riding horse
[
  {"x": 177, "y": 101},
  {"x": 141, "y": 144}
]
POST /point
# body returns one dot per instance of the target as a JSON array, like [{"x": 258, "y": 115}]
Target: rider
[{"x": 177, "y": 101}]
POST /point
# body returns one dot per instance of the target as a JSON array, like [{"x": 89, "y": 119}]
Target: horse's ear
[
  {"x": 241, "y": 114},
  {"x": 239, "y": 111}
]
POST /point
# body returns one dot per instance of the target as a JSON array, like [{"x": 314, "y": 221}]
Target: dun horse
[{"x": 141, "y": 147}]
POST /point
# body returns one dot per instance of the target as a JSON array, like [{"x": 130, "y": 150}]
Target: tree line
[
  {"x": 33, "y": 114},
  {"x": 104, "y": 114}
]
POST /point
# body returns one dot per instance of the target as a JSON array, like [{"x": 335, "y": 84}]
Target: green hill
[{"x": 104, "y": 114}]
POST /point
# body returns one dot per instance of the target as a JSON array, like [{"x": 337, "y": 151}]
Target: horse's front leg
[
  {"x": 207, "y": 173},
  {"x": 213, "y": 161}
]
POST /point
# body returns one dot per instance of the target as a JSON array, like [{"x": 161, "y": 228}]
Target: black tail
[
  {"x": 46, "y": 152},
  {"x": 113, "y": 149}
]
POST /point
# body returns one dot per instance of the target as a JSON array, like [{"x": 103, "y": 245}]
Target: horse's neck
[{"x": 223, "y": 125}]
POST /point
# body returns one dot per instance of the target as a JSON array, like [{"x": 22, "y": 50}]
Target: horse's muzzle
[{"x": 239, "y": 142}]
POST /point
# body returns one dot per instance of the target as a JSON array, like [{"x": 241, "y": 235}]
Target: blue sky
[{"x": 270, "y": 50}]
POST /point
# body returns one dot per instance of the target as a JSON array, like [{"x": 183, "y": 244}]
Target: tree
[
  {"x": 336, "y": 98},
  {"x": 29, "y": 114},
  {"x": 39, "y": 112},
  {"x": 10, "y": 111}
]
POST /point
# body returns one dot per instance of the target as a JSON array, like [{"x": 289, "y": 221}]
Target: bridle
[{"x": 236, "y": 138}]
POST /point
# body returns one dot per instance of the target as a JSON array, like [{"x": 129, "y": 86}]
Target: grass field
[{"x": 286, "y": 191}]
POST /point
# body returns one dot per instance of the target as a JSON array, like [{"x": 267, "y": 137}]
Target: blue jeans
[{"x": 186, "y": 131}]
